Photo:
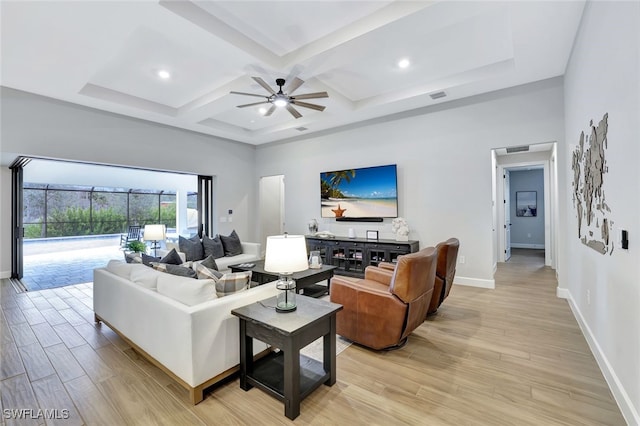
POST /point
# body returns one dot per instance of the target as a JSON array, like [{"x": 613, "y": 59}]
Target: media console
[{"x": 351, "y": 256}]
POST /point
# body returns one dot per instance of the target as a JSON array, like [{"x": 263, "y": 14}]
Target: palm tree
[{"x": 336, "y": 178}]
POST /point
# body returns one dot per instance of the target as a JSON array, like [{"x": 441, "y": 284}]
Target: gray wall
[
  {"x": 603, "y": 290},
  {"x": 38, "y": 126},
  {"x": 444, "y": 167},
  {"x": 527, "y": 232}
]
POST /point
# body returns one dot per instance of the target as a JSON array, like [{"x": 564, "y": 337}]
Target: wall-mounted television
[{"x": 369, "y": 192}]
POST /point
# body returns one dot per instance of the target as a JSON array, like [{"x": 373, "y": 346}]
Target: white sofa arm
[{"x": 251, "y": 248}]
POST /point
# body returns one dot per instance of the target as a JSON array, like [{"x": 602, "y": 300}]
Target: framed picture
[
  {"x": 372, "y": 235},
  {"x": 526, "y": 203}
]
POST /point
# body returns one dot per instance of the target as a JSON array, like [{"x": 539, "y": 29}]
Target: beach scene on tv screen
[{"x": 366, "y": 192}]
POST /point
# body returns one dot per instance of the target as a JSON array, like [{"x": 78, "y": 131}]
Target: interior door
[
  {"x": 271, "y": 199},
  {"x": 507, "y": 217}
]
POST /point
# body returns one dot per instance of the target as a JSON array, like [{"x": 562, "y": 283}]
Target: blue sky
[{"x": 371, "y": 182}]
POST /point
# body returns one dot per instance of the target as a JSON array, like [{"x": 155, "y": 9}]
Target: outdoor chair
[{"x": 133, "y": 234}]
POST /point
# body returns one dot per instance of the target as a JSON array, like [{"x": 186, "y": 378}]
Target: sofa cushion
[
  {"x": 172, "y": 257},
  {"x": 144, "y": 276},
  {"x": 206, "y": 273},
  {"x": 213, "y": 246},
  {"x": 178, "y": 270},
  {"x": 191, "y": 247},
  {"x": 186, "y": 290},
  {"x": 232, "y": 282},
  {"x": 119, "y": 268},
  {"x": 232, "y": 245}
]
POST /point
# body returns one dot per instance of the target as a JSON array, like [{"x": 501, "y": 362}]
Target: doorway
[
  {"x": 525, "y": 189},
  {"x": 271, "y": 207},
  {"x": 70, "y": 216}
]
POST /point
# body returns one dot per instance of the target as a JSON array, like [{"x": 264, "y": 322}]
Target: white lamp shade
[
  {"x": 154, "y": 232},
  {"x": 286, "y": 254}
]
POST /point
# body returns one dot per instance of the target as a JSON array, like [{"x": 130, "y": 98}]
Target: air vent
[
  {"x": 517, "y": 149},
  {"x": 301, "y": 129},
  {"x": 437, "y": 95}
]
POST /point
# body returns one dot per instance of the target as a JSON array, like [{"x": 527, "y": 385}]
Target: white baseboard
[
  {"x": 562, "y": 293},
  {"x": 529, "y": 246},
  {"x": 5, "y": 274},
  {"x": 625, "y": 404},
  {"x": 474, "y": 282}
]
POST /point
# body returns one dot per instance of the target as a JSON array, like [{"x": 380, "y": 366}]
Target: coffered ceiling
[{"x": 106, "y": 55}]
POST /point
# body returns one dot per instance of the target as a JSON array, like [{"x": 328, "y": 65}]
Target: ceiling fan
[{"x": 287, "y": 100}]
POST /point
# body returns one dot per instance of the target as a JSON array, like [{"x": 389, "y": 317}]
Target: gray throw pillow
[
  {"x": 210, "y": 263},
  {"x": 146, "y": 259},
  {"x": 191, "y": 247},
  {"x": 232, "y": 244},
  {"x": 172, "y": 258},
  {"x": 133, "y": 258},
  {"x": 178, "y": 270},
  {"x": 213, "y": 247}
]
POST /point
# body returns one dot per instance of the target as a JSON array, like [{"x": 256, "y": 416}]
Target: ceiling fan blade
[
  {"x": 270, "y": 111},
  {"x": 293, "y": 111},
  {"x": 248, "y": 105},
  {"x": 314, "y": 95},
  {"x": 294, "y": 85},
  {"x": 308, "y": 105},
  {"x": 247, "y": 94},
  {"x": 264, "y": 84}
]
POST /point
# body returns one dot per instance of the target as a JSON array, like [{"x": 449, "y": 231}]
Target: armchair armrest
[{"x": 387, "y": 265}]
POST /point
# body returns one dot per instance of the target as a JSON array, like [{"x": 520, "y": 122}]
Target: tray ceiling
[{"x": 106, "y": 55}]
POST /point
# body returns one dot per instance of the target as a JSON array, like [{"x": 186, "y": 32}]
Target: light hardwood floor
[{"x": 509, "y": 356}]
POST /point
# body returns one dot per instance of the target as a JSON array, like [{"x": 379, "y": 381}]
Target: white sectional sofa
[
  {"x": 196, "y": 345},
  {"x": 250, "y": 253}
]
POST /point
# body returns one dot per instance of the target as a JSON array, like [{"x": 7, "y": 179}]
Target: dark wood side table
[
  {"x": 287, "y": 375},
  {"x": 305, "y": 280}
]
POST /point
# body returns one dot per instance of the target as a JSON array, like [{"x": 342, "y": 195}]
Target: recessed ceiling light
[
  {"x": 262, "y": 110},
  {"x": 164, "y": 74},
  {"x": 404, "y": 63}
]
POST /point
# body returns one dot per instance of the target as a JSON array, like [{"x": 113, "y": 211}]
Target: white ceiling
[{"x": 105, "y": 55}]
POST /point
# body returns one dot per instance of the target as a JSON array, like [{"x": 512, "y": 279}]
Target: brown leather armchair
[
  {"x": 382, "y": 309},
  {"x": 445, "y": 272}
]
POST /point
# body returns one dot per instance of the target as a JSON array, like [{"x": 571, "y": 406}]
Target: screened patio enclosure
[{"x": 68, "y": 229}]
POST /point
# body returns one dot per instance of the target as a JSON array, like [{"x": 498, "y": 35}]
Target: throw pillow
[
  {"x": 172, "y": 258},
  {"x": 232, "y": 283},
  {"x": 204, "y": 273},
  {"x": 213, "y": 247},
  {"x": 191, "y": 247},
  {"x": 133, "y": 257},
  {"x": 210, "y": 263},
  {"x": 178, "y": 270},
  {"x": 146, "y": 259},
  {"x": 232, "y": 244}
]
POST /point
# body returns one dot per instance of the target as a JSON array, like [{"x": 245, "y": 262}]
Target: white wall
[
  {"x": 603, "y": 77},
  {"x": 527, "y": 232},
  {"x": 44, "y": 127},
  {"x": 444, "y": 167}
]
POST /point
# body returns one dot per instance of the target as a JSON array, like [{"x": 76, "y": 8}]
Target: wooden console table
[
  {"x": 287, "y": 375},
  {"x": 351, "y": 256}
]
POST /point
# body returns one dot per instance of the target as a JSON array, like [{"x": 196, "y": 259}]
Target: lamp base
[{"x": 287, "y": 309}]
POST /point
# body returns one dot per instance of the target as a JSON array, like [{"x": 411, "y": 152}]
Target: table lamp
[
  {"x": 286, "y": 254},
  {"x": 154, "y": 233}
]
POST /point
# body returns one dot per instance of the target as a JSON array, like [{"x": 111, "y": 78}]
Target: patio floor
[{"x": 52, "y": 263}]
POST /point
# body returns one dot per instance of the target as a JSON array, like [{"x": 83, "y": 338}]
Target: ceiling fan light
[
  {"x": 404, "y": 63},
  {"x": 280, "y": 102},
  {"x": 164, "y": 74}
]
